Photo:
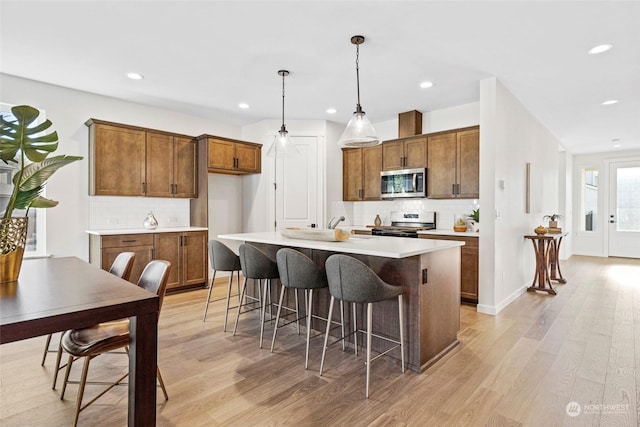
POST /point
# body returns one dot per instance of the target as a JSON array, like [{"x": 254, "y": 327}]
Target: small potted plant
[
  {"x": 28, "y": 145},
  {"x": 553, "y": 220},
  {"x": 474, "y": 219}
]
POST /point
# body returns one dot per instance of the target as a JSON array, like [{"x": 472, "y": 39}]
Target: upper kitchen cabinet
[
  {"x": 361, "y": 173},
  {"x": 453, "y": 165},
  {"x": 171, "y": 162},
  {"x": 406, "y": 153},
  {"x": 232, "y": 156},
  {"x": 132, "y": 161}
]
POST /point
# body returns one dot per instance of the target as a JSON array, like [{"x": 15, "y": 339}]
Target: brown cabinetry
[
  {"x": 361, "y": 173},
  {"x": 453, "y": 165},
  {"x": 405, "y": 153},
  {"x": 468, "y": 264},
  {"x": 187, "y": 252},
  {"x": 132, "y": 161},
  {"x": 231, "y": 156}
]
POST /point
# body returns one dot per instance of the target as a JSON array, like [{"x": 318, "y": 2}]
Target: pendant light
[
  {"x": 282, "y": 145},
  {"x": 359, "y": 131}
]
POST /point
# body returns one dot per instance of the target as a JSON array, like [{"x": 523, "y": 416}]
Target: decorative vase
[
  {"x": 150, "y": 223},
  {"x": 540, "y": 230},
  {"x": 377, "y": 222},
  {"x": 13, "y": 240}
]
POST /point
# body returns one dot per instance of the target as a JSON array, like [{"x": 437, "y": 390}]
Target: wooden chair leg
[
  {"x": 164, "y": 390},
  {"x": 83, "y": 381},
  {"x": 66, "y": 377},
  {"x": 46, "y": 350},
  {"x": 57, "y": 369}
]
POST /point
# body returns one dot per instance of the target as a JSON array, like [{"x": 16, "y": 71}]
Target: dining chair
[
  {"x": 106, "y": 337},
  {"x": 121, "y": 267},
  {"x": 351, "y": 280}
]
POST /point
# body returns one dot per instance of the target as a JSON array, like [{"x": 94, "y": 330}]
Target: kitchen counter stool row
[{"x": 347, "y": 279}]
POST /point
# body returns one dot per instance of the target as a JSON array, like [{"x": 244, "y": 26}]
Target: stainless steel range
[{"x": 407, "y": 224}]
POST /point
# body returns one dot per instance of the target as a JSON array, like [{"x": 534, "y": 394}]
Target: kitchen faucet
[{"x": 330, "y": 225}]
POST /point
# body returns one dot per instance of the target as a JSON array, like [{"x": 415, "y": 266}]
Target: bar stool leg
[
  {"x": 275, "y": 329},
  {"x": 342, "y": 323},
  {"x": 326, "y": 335},
  {"x": 369, "y": 326},
  {"x": 226, "y": 308},
  {"x": 401, "y": 314},
  {"x": 267, "y": 285},
  {"x": 297, "y": 311},
  {"x": 206, "y": 304},
  {"x": 355, "y": 328},
  {"x": 309, "y": 315},
  {"x": 244, "y": 289}
]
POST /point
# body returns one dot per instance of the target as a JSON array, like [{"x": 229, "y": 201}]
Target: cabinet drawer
[{"x": 126, "y": 240}]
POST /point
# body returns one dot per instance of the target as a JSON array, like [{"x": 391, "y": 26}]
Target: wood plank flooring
[{"x": 520, "y": 368}]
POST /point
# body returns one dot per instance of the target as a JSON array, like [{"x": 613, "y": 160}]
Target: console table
[{"x": 547, "y": 249}]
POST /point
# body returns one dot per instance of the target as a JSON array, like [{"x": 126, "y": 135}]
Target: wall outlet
[{"x": 172, "y": 220}]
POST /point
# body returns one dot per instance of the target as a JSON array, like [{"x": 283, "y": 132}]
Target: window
[
  {"x": 589, "y": 199},
  {"x": 36, "y": 233}
]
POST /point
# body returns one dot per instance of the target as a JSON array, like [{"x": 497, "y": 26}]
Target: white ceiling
[{"x": 205, "y": 57}]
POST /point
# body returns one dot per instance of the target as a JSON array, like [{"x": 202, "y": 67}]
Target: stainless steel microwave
[{"x": 403, "y": 183}]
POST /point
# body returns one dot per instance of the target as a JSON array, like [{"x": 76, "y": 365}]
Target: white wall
[
  {"x": 587, "y": 242},
  {"x": 68, "y": 110},
  {"x": 510, "y": 137},
  {"x": 565, "y": 201}
]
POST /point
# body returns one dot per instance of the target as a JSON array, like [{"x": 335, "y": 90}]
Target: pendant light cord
[
  {"x": 358, "y": 107},
  {"x": 283, "y": 127}
]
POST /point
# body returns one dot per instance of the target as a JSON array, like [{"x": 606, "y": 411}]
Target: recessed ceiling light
[
  {"x": 135, "y": 76},
  {"x": 331, "y": 111},
  {"x": 426, "y": 84},
  {"x": 243, "y": 105},
  {"x": 616, "y": 143},
  {"x": 610, "y": 102},
  {"x": 599, "y": 49}
]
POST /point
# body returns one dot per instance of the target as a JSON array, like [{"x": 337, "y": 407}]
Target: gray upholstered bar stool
[
  {"x": 351, "y": 280},
  {"x": 258, "y": 266},
  {"x": 297, "y": 271},
  {"x": 222, "y": 259}
]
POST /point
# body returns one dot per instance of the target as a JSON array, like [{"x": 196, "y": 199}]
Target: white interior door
[
  {"x": 297, "y": 186},
  {"x": 624, "y": 209}
]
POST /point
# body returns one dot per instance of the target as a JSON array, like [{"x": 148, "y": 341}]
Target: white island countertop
[
  {"x": 382, "y": 246},
  {"x": 145, "y": 231}
]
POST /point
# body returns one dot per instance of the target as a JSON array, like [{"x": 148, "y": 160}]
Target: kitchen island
[{"x": 428, "y": 271}]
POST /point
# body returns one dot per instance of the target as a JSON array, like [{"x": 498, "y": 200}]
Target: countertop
[
  {"x": 145, "y": 231},
  {"x": 382, "y": 246}
]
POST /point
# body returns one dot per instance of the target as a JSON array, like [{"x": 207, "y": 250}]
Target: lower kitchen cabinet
[
  {"x": 468, "y": 264},
  {"x": 187, "y": 252}
]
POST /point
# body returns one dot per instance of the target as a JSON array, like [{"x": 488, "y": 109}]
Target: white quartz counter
[
  {"x": 145, "y": 231},
  {"x": 447, "y": 232},
  {"x": 382, "y": 246}
]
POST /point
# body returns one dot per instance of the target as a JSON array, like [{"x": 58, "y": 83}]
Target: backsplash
[
  {"x": 364, "y": 213},
  {"x": 119, "y": 213}
]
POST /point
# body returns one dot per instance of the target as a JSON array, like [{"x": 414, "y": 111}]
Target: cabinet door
[
  {"x": 144, "y": 254},
  {"x": 248, "y": 158},
  {"x": 372, "y": 165},
  {"x": 194, "y": 258},
  {"x": 185, "y": 167},
  {"x": 392, "y": 155},
  {"x": 469, "y": 273},
  {"x": 159, "y": 165},
  {"x": 415, "y": 150},
  {"x": 441, "y": 166},
  {"x": 118, "y": 161},
  {"x": 167, "y": 247},
  {"x": 221, "y": 154},
  {"x": 352, "y": 174},
  {"x": 468, "y": 164}
]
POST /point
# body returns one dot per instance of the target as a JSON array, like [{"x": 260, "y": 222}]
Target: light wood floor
[{"x": 522, "y": 367}]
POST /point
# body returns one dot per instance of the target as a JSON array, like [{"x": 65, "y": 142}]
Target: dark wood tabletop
[{"x": 56, "y": 294}]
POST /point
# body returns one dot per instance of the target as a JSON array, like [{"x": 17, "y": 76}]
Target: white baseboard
[{"x": 493, "y": 310}]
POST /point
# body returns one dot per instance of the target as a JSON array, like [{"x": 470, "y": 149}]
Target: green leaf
[
  {"x": 37, "y": 174},
  {"x": 19, "y": 136},
  {"x": 24, "y": 199},
  {"x": 42, "y": 202}
]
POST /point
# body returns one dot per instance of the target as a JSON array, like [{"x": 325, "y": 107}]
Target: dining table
[{"x": 57, "y": 294}]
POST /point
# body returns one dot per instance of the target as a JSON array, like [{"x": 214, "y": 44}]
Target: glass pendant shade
[
  {"x": 283, "y": 146},
  {"x": 359, "y": 132}
]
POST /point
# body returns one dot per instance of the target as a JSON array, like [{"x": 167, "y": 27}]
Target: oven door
[{"x": 403, "y": 183}]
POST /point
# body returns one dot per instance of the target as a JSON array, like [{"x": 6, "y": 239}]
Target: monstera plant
[{"x": 27, "y": 145}]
